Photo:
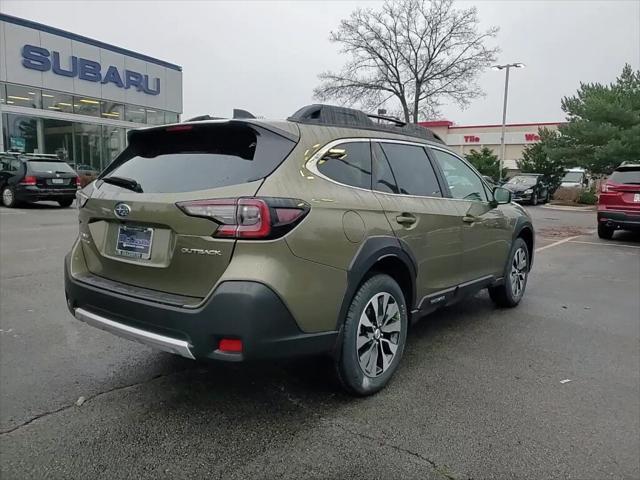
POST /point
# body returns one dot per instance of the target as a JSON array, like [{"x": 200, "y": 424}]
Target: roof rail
[{"x": 319, "y": 114}]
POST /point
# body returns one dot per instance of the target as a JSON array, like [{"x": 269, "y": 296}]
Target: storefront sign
[
  {"x": 17, "y": 144},
  {"x": 41, "y": 59}
]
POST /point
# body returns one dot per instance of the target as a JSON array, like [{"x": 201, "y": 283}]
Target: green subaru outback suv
[{"x": 328, "y": 233}]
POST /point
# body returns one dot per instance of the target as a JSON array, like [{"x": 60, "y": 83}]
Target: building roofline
[
  {"x": 96, "y": 43},
  {"x": 450, "y": 125}
]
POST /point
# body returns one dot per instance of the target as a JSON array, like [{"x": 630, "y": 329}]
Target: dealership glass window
[
  {"x": 20, "y": 133},
  {"x": 23, "y": 96},
  {"x": 155, "y": 117},
  {"x": 58, "y": 138},
  {"x": 58, "y": 102},
  {"x": 133, "y": 113},
  {"x": 113, "y": 111},
  {"x": 86, "y": 106},
  {"x": 170, "y": 117},
  {"x": 113, "y": 142},
  {"x": 87, "y": 141}
]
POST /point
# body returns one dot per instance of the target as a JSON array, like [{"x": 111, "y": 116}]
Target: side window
[
  {"x": 383, "y": 179},
  {"x": 412, "y": 169},
  {"x": 348, "y": 163},
  {"x": 15, "y": 165},
  {"x": 463, "y": 182}
]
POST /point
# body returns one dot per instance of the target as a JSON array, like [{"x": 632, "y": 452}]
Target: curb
[{"x": 570, "y": 209}]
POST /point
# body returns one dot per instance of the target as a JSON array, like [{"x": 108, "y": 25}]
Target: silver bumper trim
[{"x": 160, "y": 342}]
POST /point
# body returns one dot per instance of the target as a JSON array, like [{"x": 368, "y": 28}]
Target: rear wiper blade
[{"x": 124, "y": 182}]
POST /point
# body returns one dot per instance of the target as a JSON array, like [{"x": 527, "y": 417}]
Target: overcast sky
[{"x": 264, "y": 56}]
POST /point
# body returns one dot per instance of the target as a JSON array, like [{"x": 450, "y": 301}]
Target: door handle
[
  {"x": 406, "y": 219},
  {"x": 469, "y": 219}
]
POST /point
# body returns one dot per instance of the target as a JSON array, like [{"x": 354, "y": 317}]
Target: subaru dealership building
[{"x": 65, "y": 94}]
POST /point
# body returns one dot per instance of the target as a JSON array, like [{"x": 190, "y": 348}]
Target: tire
[
  {"x": 9, "y": 197},
  {"x": 366, "y": 370},
  {"x": 605, "y": 232},
  {"x": 534, "y": 199},
  {"x": 509, "y": 294},
  {"x": 65, "y": 203}
]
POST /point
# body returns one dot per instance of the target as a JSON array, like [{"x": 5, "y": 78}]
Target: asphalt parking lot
[{"x": 482, "y": 393}]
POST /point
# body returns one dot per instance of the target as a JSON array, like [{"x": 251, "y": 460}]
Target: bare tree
[{"x": 416, "y": 52}]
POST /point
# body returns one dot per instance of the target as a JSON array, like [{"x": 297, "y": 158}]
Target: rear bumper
[
  {"x": 619, "y": 219},
  {"x": 35, "y": 194},
  {"x": 249, "y": 311}
]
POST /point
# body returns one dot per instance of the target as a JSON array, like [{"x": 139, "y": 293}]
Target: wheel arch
[
  {"x": 525, "y": 231},
  {"x": 381, "y": 254}
]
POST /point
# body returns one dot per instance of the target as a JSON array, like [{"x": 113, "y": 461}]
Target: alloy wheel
[
  {"x": 7, "y": 197},
  {"x": 519, "y": 270},
  {"x": 378, "y": 334}
]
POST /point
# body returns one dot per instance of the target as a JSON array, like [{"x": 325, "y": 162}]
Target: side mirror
[{"x": 501, "y": 196}]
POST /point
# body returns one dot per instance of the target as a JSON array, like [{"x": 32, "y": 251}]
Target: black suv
[{"x": 31, "y": 178}]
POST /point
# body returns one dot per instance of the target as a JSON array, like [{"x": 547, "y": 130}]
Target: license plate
[
  {"x": 636, "y": 197},
  {"x": 134, "y": 242},
  {"x": 57, "y": 180}
]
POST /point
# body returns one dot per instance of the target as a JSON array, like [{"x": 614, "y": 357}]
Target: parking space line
[
  {"x": 559, "y": 242},
  {"x": 606, "y": 244}
]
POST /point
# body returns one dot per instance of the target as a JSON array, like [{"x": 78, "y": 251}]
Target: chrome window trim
[{"x": 312, "y": 166}]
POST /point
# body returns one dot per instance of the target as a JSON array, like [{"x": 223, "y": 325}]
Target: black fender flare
[
  {"x": 372, "y": 250},
  {"x": 521, "y": 224}
]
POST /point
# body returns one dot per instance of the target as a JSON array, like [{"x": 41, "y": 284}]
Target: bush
[
  {"x": 587, "y": 197},
  {"x": 565, "y": 194}
]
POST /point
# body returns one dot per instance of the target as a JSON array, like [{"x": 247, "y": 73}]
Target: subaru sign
[{"x": 43, "y": 60}]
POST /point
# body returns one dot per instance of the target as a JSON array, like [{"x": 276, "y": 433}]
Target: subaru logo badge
[{"x": 122, "y": 210}]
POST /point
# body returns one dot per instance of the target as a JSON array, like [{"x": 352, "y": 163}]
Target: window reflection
[
  {"x": 113, "y": 111},
  {"x": 23, "y": 96},
  {"x": 155, "y": 117},
  {"x": 133, "y": 113},
  {"x": 58, "y": 102},
  {"x": 86, "y": 106}
]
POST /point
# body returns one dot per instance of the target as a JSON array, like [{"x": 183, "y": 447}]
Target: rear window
[
  {"x": 631, "y": 175},
  {"x": 189, "y": 158},
  {"x": 38, "y": 166},
  {"x": 348, "y": 163}
]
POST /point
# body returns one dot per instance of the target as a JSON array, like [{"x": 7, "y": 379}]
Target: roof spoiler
[{"x": 238, "y": 113}]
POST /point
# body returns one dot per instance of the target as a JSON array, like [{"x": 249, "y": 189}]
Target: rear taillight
[
  {"x": 77, "y": 181},
  {"x": 249, "y": 218},
  {"x": 28, "y": 180},
  {"x": 608, "y": 188}
]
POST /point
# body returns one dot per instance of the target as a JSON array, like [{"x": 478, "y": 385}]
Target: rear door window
[
  {"x": 348, "y": 163},
  {"x": 187, "y": 158},
  {"x": 411, "y": 169}
]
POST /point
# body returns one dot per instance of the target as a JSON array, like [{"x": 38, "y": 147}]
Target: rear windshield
[
  {"x": 631, "y": 175},
  {"x": 189, "y": 158},
  {"x": 572, "y": 177},
  {"x": 38, "y": 166}
]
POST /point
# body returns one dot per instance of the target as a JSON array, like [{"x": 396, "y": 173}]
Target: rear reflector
[{"x": 230, "y": 345}]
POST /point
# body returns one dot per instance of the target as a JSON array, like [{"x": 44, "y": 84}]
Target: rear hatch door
[
  {"x": 139, "y": 236},
  {"x": 624, "y": 184}
]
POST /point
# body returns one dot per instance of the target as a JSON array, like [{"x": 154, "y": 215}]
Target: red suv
[{"x": 619, "y": 201}]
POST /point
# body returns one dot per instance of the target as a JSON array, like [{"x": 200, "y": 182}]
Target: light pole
[{"x": 504, "y": 108}]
